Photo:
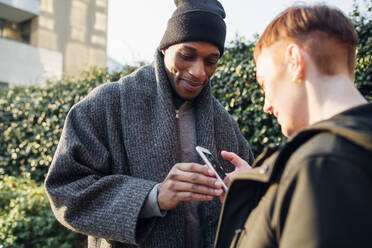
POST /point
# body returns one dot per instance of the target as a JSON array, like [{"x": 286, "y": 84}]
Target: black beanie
[{"x": 196, "y": 20}]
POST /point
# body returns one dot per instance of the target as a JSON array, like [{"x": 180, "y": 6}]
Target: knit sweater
[{"x": 116, "y": 144}]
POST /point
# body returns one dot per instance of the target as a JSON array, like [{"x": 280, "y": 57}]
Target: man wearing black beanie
[
  {"x": 196, "y": 20},
  {"x": 125, "y": 172}
]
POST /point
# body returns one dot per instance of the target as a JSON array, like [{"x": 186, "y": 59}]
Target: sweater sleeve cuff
[{"x": 151, "y": 207}]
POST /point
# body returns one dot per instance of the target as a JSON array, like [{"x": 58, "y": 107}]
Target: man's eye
[
  {"x": 186, "y": 56},
  {"x": 212, "y": 62}
]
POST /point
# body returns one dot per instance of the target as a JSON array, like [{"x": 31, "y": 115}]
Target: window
[
  {"x": 2, "y": 24},
  {"x": 25, "y": 31},
  {"x": 3, "y": 85}
]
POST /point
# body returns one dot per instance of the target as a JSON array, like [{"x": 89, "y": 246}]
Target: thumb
[{"x": 237, "y": 161}]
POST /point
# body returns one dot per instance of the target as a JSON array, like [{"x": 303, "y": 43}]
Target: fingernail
[
  {"x": 218, "y": 183},
  {"x": 218, "y": 191},
  {"x": 210, "y": 172}
]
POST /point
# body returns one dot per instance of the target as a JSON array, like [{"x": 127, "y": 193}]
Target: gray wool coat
[{"x": 120, "y": 141}]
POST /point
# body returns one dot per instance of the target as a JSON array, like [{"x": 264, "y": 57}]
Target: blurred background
[
  {"x": 135, "y": 28},
  {"x": 48, "y": 39}
]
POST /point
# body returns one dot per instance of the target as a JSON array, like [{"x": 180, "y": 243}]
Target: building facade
[{"x": 47, "y": 39}]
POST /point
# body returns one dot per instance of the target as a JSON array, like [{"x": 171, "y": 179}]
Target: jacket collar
[
  {"x": 262, "y": 168},
  {"x": 354, "y": 124}
]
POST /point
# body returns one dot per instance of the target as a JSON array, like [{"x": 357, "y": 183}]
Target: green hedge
[
  {"x": 26, "y": 219},
  {"x": 234, "y": 84},
  {"x": 31, "y": 121},
  {"x": 363, "y": 71}
]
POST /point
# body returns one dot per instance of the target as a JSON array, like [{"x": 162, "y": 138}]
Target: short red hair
[{"x": 324, "y": 32}]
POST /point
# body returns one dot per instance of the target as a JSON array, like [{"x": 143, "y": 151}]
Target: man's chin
[
  {"x": 286, "y": 132},
  {"x": 188, "y": 97},
  {"x": 289, "y": 131}
]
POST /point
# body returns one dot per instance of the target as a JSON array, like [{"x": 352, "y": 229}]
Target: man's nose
[
  {"x": 267, "y": 107},
  {"x": 197, "y": 70}
]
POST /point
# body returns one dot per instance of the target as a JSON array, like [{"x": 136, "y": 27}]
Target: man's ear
[{"x": 297, "y": 62}]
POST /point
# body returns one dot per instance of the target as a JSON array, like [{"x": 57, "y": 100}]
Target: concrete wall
[
  {"x": 71, "y": 35},
  {"x": 30, "y": 6},
  {"x": 22, "y": 64},
  {"x": 76, "y": 28}
]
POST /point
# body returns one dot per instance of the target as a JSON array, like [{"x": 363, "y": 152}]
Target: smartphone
[{"x": 212, "y": 163}]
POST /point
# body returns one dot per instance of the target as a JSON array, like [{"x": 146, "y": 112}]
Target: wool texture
[
  {"x": 196, "y": 20},
  {"x": 120, "y": 141}
]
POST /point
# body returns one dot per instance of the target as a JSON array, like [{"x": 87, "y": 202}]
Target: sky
[{"x": 135, "y": 27}]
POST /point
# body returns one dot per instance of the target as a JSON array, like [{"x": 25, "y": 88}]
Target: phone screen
[{"x": 219, "y": 169}]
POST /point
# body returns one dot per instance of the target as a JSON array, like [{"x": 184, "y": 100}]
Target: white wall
[
  {"x": 31, "y": 6},
  {"x": 22, "y": 64}
]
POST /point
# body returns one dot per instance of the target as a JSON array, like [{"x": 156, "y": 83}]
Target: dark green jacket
[{"x": 314, "y": 191}]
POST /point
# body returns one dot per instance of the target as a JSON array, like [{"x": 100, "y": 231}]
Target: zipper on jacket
[
  {"x": 235, "y": 240},
  {"x": 178, "y": 130}
]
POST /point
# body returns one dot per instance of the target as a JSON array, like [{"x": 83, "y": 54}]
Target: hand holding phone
[
  {"x": 212, "y": 163},
  {"x": 187, "y": 182}
]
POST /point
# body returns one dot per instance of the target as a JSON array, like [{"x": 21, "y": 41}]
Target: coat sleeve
[
  {"x": 325, "y": 203},
  {"x": 85, "y": 195}
]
